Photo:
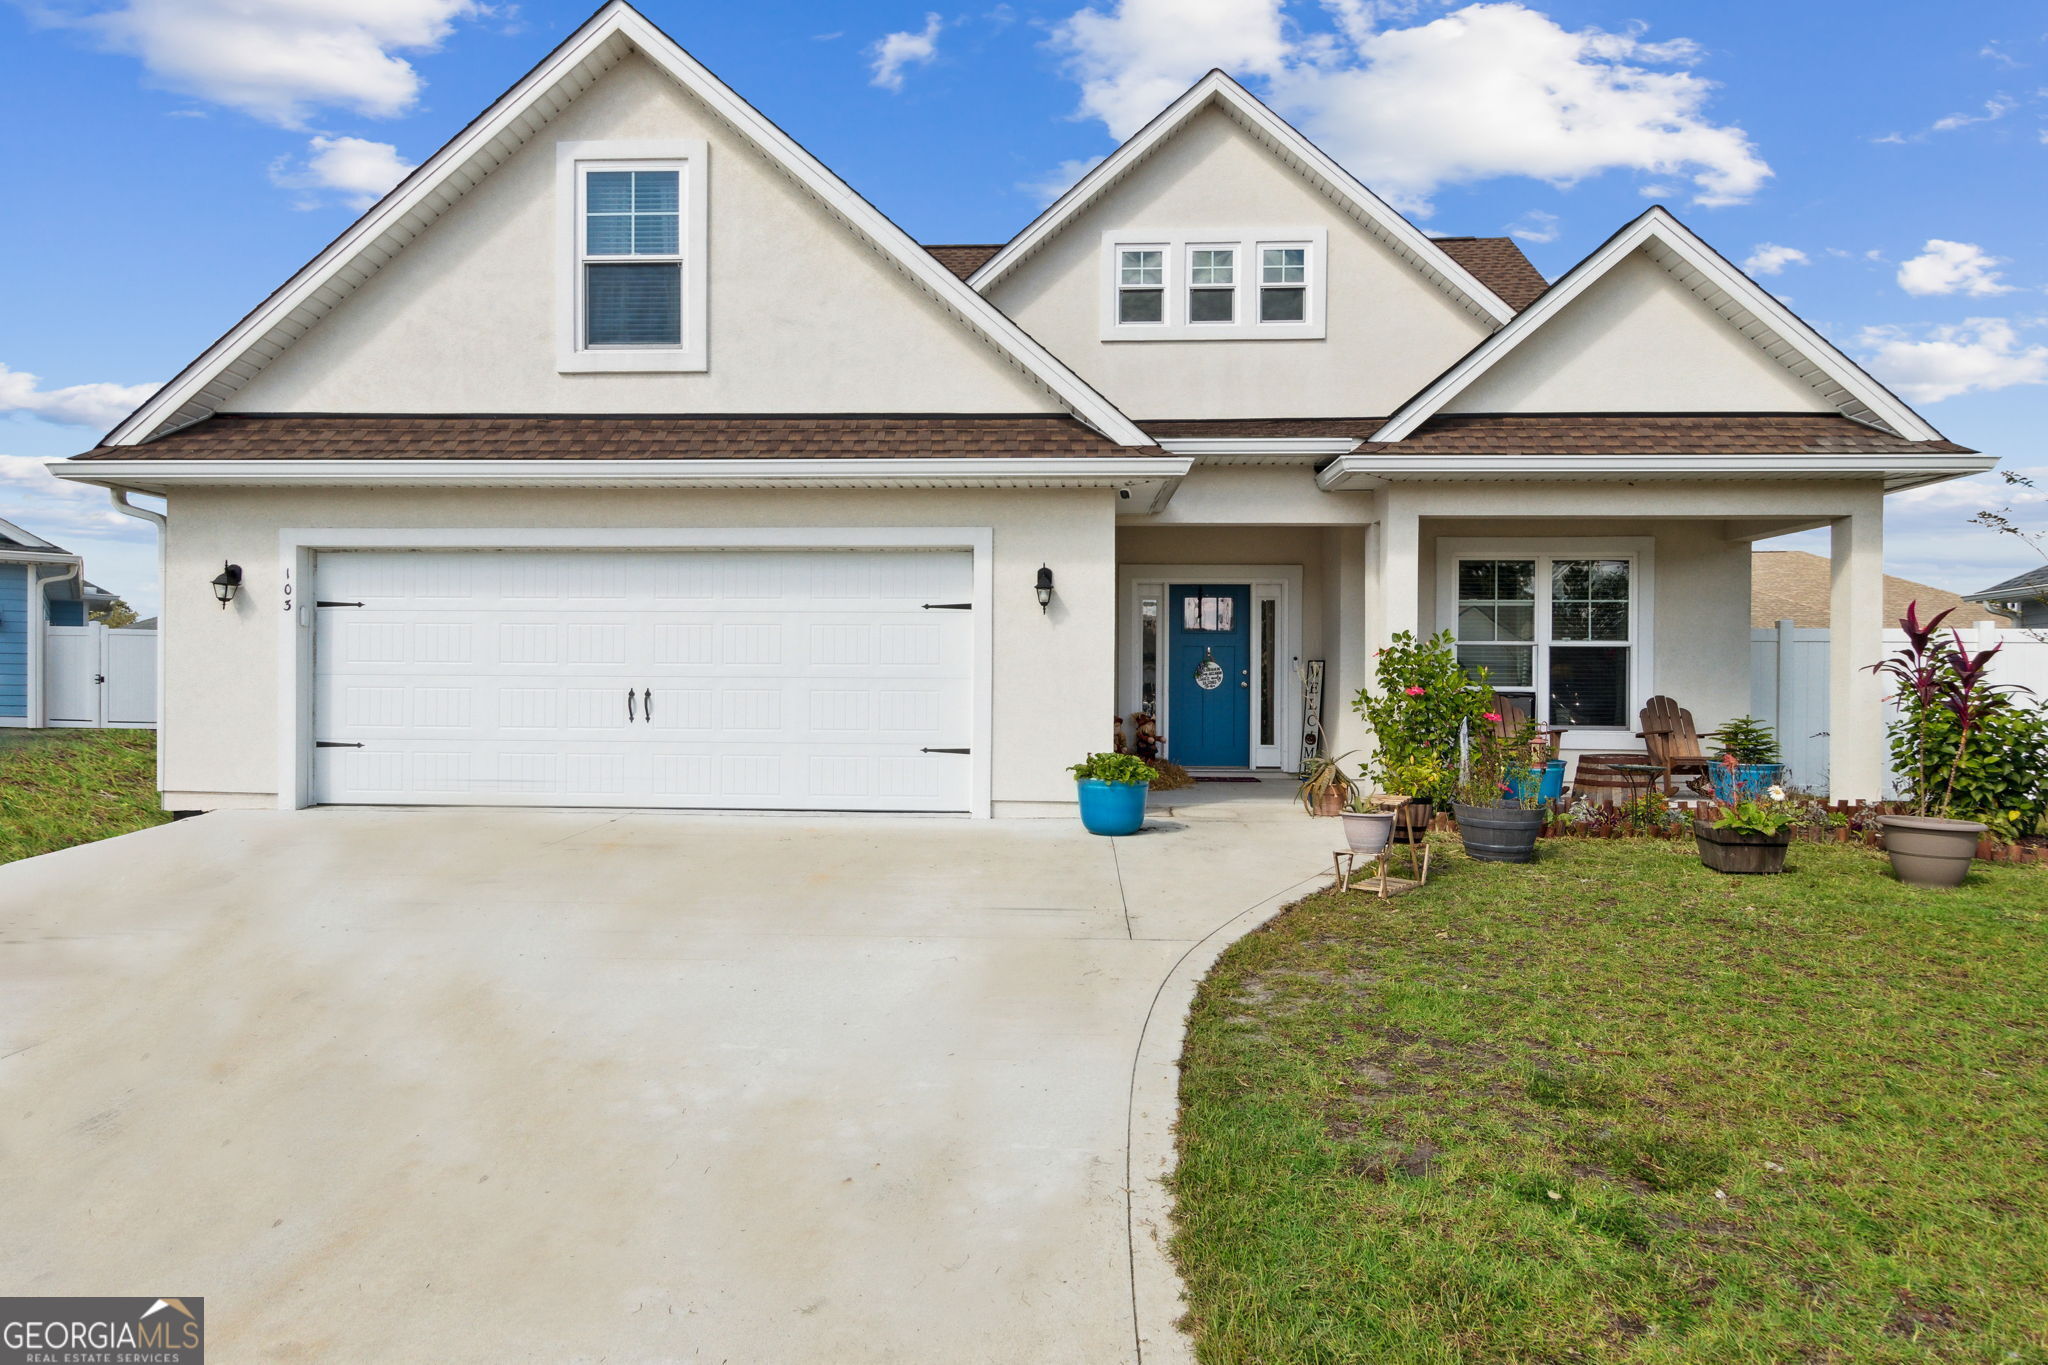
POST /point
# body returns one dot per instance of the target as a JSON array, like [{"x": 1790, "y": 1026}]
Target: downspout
[
  {"x": 163, "y": 591},
  {"x": 38, "y": 642}
]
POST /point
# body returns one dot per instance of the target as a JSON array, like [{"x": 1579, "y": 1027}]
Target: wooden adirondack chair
[
  {"x": 1513, "y": 717},
  {"x": 1669, "y": 734}
]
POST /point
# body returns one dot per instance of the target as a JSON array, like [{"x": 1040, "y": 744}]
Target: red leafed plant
[{"x": 1942, "y": 687}]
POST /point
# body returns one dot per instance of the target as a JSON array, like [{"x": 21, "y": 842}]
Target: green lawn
[
  {"x": 65, "y": 787},
  {"x": 1615, "y": 1107}
]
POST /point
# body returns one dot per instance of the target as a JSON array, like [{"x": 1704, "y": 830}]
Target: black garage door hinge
[
  {"x": 945, "y": 751},
  {"x": 334, "y": 744},
  {"x": 337, "y": 604}
]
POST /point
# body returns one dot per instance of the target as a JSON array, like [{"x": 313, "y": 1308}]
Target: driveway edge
[{"x": 1157, "y": 1292}]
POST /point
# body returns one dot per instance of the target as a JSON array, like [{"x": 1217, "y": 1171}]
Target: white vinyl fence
[
  {"x": 94, "y": 676},
  {"x": 1788, "y": 685}
]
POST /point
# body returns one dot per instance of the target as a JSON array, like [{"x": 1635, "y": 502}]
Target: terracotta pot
[
  {"x": 1367, "y": 832},
  {"x": 1330, "y": 801},
  {"x": 1733, "y": 851},
  {"x": 1928, "y": 850}
]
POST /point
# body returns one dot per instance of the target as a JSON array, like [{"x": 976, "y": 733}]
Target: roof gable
[
  {"x": 518, "y": 117},
  {"x": 1219, "y": 91},
  {"x": 1763, "y": 325}
]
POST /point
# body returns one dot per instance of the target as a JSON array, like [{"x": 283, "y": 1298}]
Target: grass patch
[
  {"x": 1615, "y": 1107},
  {"x": 65, "y": 787}
]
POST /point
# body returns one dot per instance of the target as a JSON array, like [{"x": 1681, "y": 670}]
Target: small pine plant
[{"x": 1748, "y": 740}]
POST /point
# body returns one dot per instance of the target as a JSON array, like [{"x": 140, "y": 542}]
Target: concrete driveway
[{"x": 587, "y": 1086}]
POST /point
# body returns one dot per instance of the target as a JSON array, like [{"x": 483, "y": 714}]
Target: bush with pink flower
[{"x": 1422, "y": 700}]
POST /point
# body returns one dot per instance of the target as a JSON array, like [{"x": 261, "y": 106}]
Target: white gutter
[
  {"x": 37, "y": 710},
  {"x": 1246, "y": 449},
  {"x": 1378, "y": 469},
  {"x": 161, "y": 522}
]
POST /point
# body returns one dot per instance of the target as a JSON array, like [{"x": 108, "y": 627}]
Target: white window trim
[
  {"x": 1640, "y": 551},
  {"x": 1179, "y": 275},
  {"x": 690, "y": 157}
]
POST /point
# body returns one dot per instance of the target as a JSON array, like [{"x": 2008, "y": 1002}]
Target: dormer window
[
  {"x": 634, "y": 294},
  {"x": 1186, "y": 286}
]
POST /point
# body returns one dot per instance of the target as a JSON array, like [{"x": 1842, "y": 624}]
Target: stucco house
[{"x": 625, "y": 455}]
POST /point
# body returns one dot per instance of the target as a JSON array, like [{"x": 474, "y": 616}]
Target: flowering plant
[
  {"x": 1424, "y": 700},
  {"x": 1491, "y": 758}
]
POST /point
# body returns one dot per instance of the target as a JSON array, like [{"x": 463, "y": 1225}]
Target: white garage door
[{"x": 794, "y": 680}]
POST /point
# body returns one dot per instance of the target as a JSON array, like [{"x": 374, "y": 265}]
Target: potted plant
[
  {"x": 1944, "y": 699},
  {"x": 1113, "y": 788},
  {"x": 1422, "y": 703},
  {"x": 1496, "y": 824},
  {"x": 1368, "y": 828},
  {"x": 1410, "y": 789},
  {"x": 1748, "y": 835},
  {"x": 1326, "y": 789},
  {"x": 1749, "y": 762}
]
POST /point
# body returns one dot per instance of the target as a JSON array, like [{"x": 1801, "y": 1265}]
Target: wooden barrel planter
[
  {"x": 1732, "y": 851},
  {"x": 1499, "y": 834}
]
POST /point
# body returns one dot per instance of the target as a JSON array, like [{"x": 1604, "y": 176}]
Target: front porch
[{"x": 1581, "y": 599}]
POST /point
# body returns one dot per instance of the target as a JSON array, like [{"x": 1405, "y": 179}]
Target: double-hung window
[
  {"x": 1204, "y": 285},
  {"x": 1555, "y": 632},
  {"x": 634, "y": 219}
]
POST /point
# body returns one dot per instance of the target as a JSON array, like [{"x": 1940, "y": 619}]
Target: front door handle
[
  {"x": 629, "y": 706},
  {"x": 647, "y": 704}
]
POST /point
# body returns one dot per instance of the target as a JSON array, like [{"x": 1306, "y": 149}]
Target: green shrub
[
  {"x": 2003, "y": 777},
  {"x": 1749, "y": 740},
  {"x": 1424, "y": 699},
  {"x": 1123, "y": 769}
]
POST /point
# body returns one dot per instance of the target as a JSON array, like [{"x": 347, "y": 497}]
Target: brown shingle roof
[
  {"x": 963, "y": 260},
  {"x": 1677, "y": 433},
  {"x": 1500, "y": 266},
  {"x": 1792, "y": 585},
  {"x": 1587, "y": 433},
  {"x": 820, "y": 437}
]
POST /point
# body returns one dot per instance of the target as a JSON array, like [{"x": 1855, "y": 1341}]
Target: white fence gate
[
  {"x": 94, "y": 676},
  {"x": 1788, "y": 685}
]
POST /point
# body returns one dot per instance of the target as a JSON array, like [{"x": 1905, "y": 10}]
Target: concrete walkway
[{"x": 578, "y": 1086}]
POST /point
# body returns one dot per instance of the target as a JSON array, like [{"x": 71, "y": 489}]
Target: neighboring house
[
  {"x": 41, "y": 585},
  {"x": 624, "y": 455},
  {"x": 2021, "y": 600},
  {"x": 1792, "y": 585}
]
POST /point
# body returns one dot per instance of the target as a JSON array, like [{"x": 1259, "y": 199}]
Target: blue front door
[{"x": 1209, "y": 677}]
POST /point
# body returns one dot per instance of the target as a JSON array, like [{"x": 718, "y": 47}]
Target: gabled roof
[
  {"x": 1497, "y": 263},
  {"x": 2031, "y": 584},
  {"x": 520, "y": 114},
  {"x": 962, "y": 260},
  {"x": 13, "y": 537},
  {"x": 1793, "y": 585},
  {"x": 1287, "y": 142},
  {"x": 1747, "y": 306}
]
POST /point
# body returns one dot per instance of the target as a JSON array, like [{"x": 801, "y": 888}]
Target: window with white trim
[
  {"x": 633, "y": 291},
  {"x": 1185, "y": 286},
  {"x": 1554, "y": 632}
]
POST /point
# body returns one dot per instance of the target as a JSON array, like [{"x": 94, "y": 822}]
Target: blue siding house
[{"x": 40, "y": 584}]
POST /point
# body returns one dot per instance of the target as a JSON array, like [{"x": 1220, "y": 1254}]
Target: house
[
  {"x": 41, "y": 585},
  {"x": 2021, "y": 600},
  {"x": 1793, "y": 585},
  {"x": 624, "y": 455}
]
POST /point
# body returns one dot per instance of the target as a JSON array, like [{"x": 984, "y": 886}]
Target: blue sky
[{"x": 1882, "y": 164}]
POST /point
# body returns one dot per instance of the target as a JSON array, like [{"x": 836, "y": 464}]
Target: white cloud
[
  {"x": 1771, "y": 259},
  {"x": 1945, "y": 267},
  {"x": 1059, "y": 179},
  {"x": 898, "y": 50},
  {"x": 1535, "y": 226},
  {"x": 279, "y": 59},
  {"x": 360, "y": 171},
  {"x": 1488, "y": 90},
  {"x": 1995, "y": 108},
  {"x": 78, "y": 405},
  {"x": 1977, "y": 355}
]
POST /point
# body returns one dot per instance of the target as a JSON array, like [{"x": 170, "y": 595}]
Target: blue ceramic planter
[
  {"x": 1746, "y": 781},
  {"x": 1113, "y": 808},
  {"x": 1545, "y": 783}
]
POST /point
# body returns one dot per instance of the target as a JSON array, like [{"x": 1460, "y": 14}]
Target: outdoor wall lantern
[
  {"x": 1044, "y": 588},
  {"x": 226, "y": 582}
]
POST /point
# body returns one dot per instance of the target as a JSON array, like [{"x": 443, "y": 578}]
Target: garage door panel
[{"x": 761, "y": 679}]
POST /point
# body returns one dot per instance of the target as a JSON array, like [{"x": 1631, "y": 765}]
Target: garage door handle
[
  {"x": 629, "y": 705},
  {"x": 945, "y": 751},
  {"x": 334, "y": 744},
  {"x": 647, "y": 704},
  {"x": 949, "y": 606}
]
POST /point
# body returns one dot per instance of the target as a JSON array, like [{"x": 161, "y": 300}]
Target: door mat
[{"x": 1200, "y": 778}]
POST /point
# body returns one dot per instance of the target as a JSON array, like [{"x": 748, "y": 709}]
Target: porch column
[
  {"x": 1397, "y": 545},
  {"x": 1347, "y": 643},
  {"x": 1856, "y": 747}
]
